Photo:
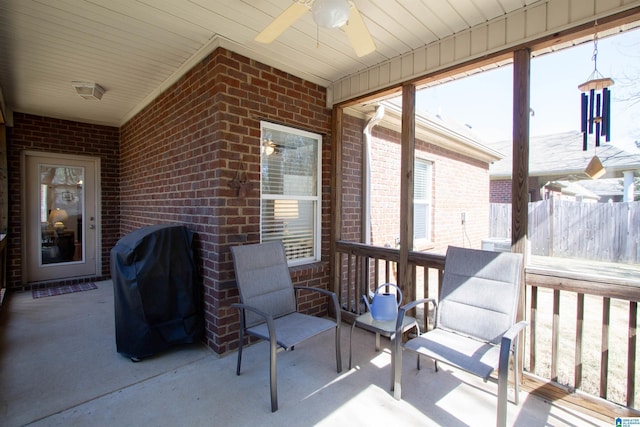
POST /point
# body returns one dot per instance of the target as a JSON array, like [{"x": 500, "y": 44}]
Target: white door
[{"x": 61, "y": 216}]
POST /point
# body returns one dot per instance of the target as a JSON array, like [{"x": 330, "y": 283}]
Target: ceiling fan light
[{"x": 330, "y": 13}]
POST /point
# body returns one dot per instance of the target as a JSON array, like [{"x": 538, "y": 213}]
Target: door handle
[{"x": 91, "y": 227}]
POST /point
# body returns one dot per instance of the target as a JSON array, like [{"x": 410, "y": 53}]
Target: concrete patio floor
[{"x": 59, "y": 367}]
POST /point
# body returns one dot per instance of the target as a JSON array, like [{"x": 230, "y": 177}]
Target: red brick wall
[
  {"x": 460, "y": 184},
  {"x": 385, "y": 187},
  {"x": 180, "y": 153},
  {"x": 352, "y": 141},
  {"x": 501, "y": 189},
  {"x": 44, "y": 134}
]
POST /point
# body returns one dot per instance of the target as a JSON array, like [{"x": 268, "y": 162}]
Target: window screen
[
  {"x": 422, "y": 201},
  {"x": 290, "y": 190}
]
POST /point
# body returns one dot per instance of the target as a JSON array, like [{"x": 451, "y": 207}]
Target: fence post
[{"x": 551, "y": 221}]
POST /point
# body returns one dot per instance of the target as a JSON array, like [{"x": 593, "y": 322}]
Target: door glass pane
[{"x": 61, "y": 208}]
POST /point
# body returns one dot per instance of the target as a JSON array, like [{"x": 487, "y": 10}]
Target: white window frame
[
  {"x": 428, "y": 201},
  {"x": 265, "y": 126}
]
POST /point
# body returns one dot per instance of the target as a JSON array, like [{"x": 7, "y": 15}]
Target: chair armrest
[
  {"x": 506, "y": 343},
  {"x": 334, "y": 299},
  {"x": 260, "y": 313},
  {"x": 402, "y": 310},
  {"x": 513, "y": 331},
  {"x": 266, "y": 316}
]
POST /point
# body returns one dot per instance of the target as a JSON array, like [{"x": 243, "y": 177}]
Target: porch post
[
  {"x": 520, "y": 173},
  {"x": 336, "y": 197},
  {"x": 628, "y": 187},
  {"x": 407, "y": 157}
]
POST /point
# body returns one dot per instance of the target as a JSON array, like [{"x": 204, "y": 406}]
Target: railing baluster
[
  {"x": 555, "y": 335},
  {"x": 359, "y": 282},
  {"x": 386, "y": 271},
  {"x": 414, "y": 278},
  {"x": 533, "y": 329},
  {"x": 425, "y": 286},
  {"x": 343, "y": 288},
  {"x": 350, "y": 283},
  {"x": 577, "y": 380},
  {"x": 631, "y": 353},
  {"x": 376, "y": 278},
  {"x": 604, "y": 359}
]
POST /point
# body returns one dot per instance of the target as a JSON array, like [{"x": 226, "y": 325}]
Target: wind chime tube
[
  {"x": 598, "y": 122},
  {"x": 591, "y": 101},
  {"x": 585, "y": 105},
  {"x": 606, "y": 114}
]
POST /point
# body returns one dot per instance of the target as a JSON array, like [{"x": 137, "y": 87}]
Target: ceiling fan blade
[
  {"x": 282, "y": 22},
  {"x": 358, "y": 33}
]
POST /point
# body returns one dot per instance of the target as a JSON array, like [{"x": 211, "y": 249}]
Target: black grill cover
[{"x": 156, "y": 295}]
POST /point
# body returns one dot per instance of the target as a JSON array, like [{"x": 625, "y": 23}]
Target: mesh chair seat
[{"x": 293, "y": 329}]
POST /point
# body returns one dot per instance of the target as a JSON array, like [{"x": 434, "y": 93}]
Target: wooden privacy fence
[{"x": 597, "y": 231}]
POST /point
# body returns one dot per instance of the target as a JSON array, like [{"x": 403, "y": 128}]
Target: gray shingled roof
[
  {"x": 574, "y": 189},
  {"x": 605, "y": 187},
  {"x": 561, "y": 155}
]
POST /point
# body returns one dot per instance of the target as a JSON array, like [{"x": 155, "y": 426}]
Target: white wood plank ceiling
[{"x": 137, "y": 48}]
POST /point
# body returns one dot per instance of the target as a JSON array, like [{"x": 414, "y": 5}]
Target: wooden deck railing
[
  {"x": 571, "y": 319},
  {"x": 583, "y": 332},
  {"x": 3, "y": 267},
  {"x": 366, "y": 267}
]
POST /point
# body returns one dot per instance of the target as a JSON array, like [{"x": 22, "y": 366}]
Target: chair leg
[
  {"x": 393, "y": 361},
  {"x": 339, "y": 351},
  {"x": 396, "y": 372},
  {"x": 501, "y": 418},
  {"x": 273, "y": 349},
  {"x": 239, "y": 359},
  {"x": 240, "y": 339},
  {"x": 353, "y": 325},
  {"x": 503, "y": 380},
  {"x": 516, "y": 370}
]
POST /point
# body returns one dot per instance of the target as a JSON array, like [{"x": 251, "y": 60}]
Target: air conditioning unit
[{"x": 496, "y": 244}]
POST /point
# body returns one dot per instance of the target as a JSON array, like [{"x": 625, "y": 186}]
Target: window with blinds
[
  {"x": 290, "y": 190},
  {"x": 422, "y": 202}
]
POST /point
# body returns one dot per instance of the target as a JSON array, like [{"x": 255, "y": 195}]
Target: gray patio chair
[
  {"x": 268, "y": 308},
  {"x": 475, "y": 328}
]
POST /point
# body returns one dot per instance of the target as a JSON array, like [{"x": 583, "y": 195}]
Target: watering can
[{"x": 384, "y": 305}]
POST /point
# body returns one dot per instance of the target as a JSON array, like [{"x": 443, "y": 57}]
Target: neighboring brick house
[
  {"x": 174, "y": 161},
  {"x": 457, "y": 169},
  {"x": 558, "y": 157}
]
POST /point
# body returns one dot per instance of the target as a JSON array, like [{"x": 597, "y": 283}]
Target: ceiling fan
[{"x": 327, "y": 14}]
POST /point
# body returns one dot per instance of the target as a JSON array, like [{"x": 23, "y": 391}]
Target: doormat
[{"x": 67, "y": 289}]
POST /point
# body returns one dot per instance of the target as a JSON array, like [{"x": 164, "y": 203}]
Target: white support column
[{"x": 628, "y": 187}]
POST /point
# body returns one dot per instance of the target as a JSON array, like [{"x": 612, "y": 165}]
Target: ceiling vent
[{"x": 87, "y": 90}]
